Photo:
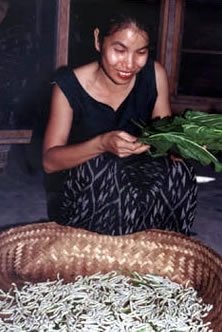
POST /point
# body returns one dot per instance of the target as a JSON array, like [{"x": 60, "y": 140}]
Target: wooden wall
[{"x": 27, "y": 60}]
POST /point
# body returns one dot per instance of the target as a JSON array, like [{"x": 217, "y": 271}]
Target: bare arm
[
  {"x": 162, "y": 105},
  {"x": 57, "y": 155}
]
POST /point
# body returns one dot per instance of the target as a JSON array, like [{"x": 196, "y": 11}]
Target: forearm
[{"x": 59, "y": 158}]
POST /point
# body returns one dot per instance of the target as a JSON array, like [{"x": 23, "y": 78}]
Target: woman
[{"x": 108, "y": 183}]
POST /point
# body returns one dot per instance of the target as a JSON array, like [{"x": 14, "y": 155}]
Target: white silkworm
[{"x": 110, "y": 302}]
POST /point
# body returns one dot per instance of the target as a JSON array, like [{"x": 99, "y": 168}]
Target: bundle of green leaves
[{"x": 192, "y": 135}]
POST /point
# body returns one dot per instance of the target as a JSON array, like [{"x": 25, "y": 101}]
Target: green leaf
[
  {"x": 161, "y": 145},
  {"x": 194, "y": 135},
  {"x": 166, "y": 124},
  {"x": 202, "y": 118},
  {"x": 188, "y": 149},
  {"x": 203, "y": 135}
]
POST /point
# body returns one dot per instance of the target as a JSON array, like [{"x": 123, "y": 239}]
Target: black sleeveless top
[{"x": 92, "y": 118}]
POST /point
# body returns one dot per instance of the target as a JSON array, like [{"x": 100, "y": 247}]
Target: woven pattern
[{"x": 40, "y": 251}]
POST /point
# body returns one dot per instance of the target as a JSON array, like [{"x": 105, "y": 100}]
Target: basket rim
[
  {"x": 18, "y": 230},
  {"x": 34, "y": 251}
]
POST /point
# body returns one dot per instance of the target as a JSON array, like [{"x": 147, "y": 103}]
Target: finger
[
  {"x": 127, "y": 137},
  {"x": 134, "y": 147},
  {"x": 139, "y": 150},
  {"x": 142, "y": 149},
  {"x": 139, "y": 145},
  {"x": 125, "y": 146}
]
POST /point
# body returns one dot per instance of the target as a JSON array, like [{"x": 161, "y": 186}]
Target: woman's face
[{"x": 124, "y": 53}]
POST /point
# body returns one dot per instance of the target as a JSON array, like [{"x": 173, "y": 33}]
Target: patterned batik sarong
[{"x": 112, "y": 195}]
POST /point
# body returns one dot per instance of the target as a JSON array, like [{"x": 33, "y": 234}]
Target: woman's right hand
[{"x": 122, "y": 144}]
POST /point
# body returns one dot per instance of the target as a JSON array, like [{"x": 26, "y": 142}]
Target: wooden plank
[
  {"x": 205, "y": 104},
  {"x": 197, "y": 51},
  {"x": 15, "y": 136},
  {"x": 62, "y": 44},
  {"x": 173, "y": 41},
  {"x": 163, "y": 30},
  {"x": 178, "y": 31},
  {"x": 169, "y": 37}
]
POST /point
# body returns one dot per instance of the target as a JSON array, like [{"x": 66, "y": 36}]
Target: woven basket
[{"x": 39, "y": 252}]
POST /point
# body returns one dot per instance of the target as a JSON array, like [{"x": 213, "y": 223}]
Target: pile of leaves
[{"x": 192, "y": 135}]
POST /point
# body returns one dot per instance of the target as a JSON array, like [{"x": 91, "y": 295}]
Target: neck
[{"x": 108, "y": 85}]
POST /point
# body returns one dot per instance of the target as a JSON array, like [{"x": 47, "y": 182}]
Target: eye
[
  {"x": 119, "y": 50},
  {"x": 143, "y": 52}
]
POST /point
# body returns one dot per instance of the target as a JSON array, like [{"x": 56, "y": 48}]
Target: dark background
[{"x": 28, "y": 52}]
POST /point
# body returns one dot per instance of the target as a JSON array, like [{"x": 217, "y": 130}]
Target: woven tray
[{"x": 40, "y": 251}]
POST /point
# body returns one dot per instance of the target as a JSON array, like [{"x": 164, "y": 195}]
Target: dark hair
[{"x": 118, "y": 17}]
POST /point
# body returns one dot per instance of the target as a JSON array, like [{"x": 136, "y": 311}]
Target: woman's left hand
[{"x": 122, "y": 144}]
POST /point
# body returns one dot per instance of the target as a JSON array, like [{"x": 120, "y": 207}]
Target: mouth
[{"x": 125, "y": 75}]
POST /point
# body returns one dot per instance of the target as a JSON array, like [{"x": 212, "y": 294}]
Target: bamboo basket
[{"x": 38, "y": 252}]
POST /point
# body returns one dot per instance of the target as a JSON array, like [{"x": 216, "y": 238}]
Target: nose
[{"x": 129, "y": 61}]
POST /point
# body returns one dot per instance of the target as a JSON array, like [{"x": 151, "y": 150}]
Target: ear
[{"x": 96, "y": 40}]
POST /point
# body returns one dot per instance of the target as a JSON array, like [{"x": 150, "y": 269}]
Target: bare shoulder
[
  {"x": 160, "y": 71},
  {"x": 85, "y": 73},
  {"x": 162, "y": 105}
]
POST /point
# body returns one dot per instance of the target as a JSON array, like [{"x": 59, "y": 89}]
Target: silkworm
[{"x": 111, "y": 302}]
